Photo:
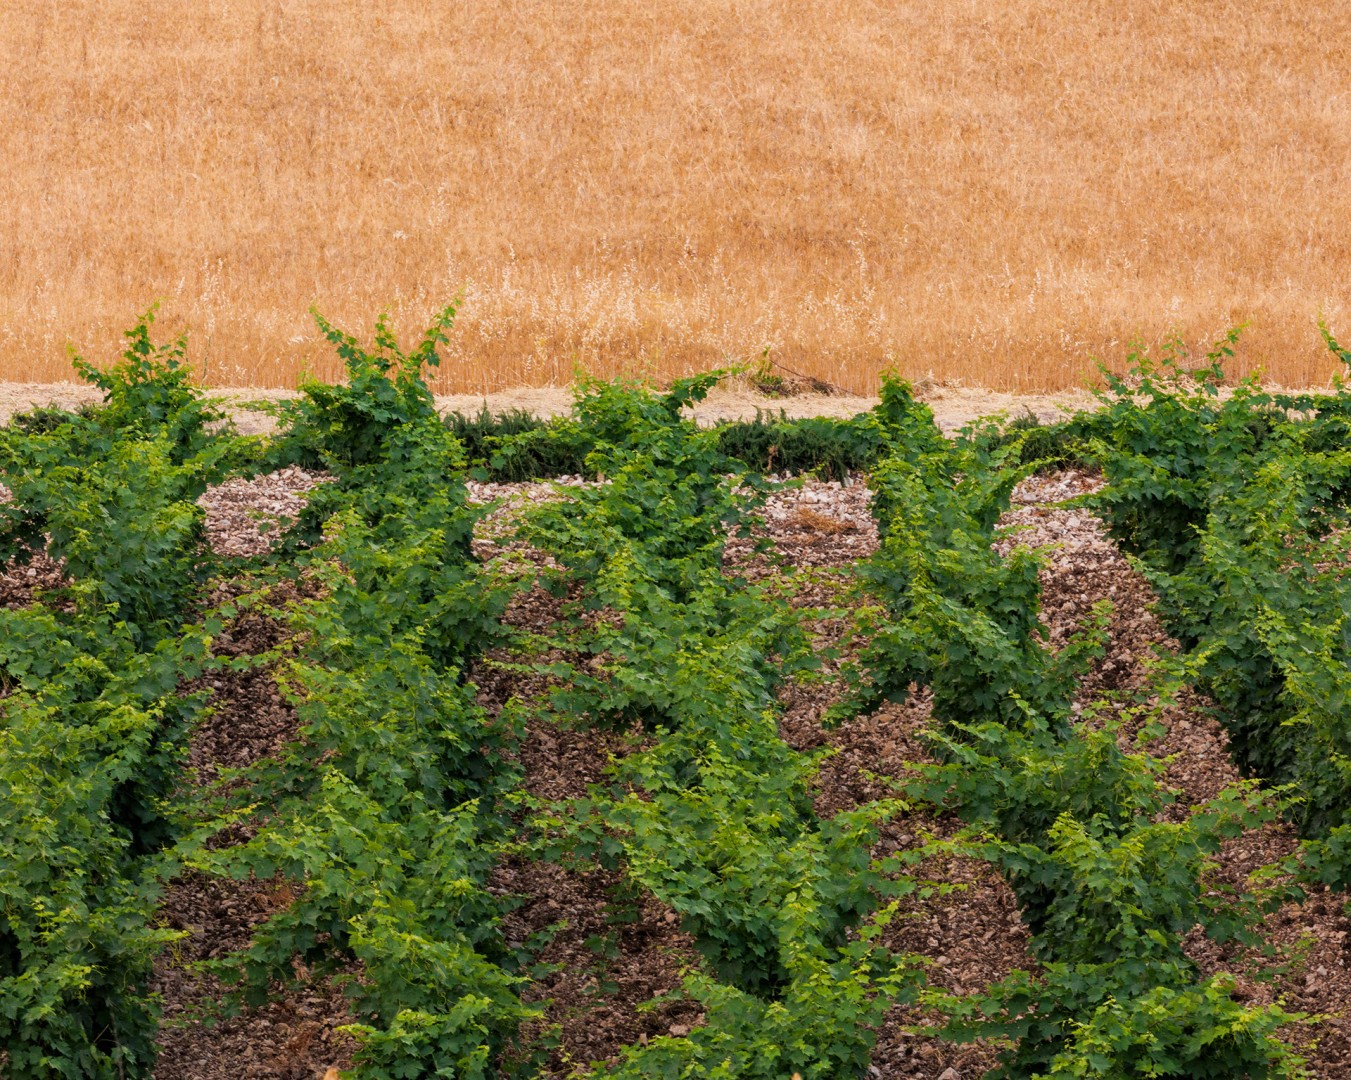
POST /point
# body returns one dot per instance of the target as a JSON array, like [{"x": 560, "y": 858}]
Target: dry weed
[{"x": 809, "y": 520}]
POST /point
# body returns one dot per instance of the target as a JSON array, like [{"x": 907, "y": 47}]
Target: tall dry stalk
[{"x": 988, "y": 192}]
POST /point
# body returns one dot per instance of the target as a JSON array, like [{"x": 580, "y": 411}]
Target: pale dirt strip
[{"x": 953, "y": 406}]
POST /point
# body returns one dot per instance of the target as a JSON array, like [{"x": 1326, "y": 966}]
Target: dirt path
[{"x": 952, "y": 406}]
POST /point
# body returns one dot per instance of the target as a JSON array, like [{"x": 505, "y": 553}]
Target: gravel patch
[{"x": 243, "y": 517}]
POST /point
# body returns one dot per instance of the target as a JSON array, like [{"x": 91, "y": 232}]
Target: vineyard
[{"x": 394, "y": 745}]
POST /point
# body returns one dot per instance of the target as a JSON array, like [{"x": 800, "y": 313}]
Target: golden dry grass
[{"x": 988, "y": 192}]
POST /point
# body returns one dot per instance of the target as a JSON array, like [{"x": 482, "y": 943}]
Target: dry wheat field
[{"x": 975, "y": 192}]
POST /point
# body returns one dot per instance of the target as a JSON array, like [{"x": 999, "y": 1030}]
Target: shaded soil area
[
  {"x": 19, "y": 583},
  {"x": 295, "y": 1034},
  {"x": 606, "y": 949}
]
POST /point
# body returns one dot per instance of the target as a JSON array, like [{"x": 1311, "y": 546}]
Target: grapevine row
[
  {"x": 92, "y": 726},
  {"x": 389, "y": 808},
  {"x": 1236, "y": 511},
  {"x": 713, "y": 813},
  {"x": 1107, "y": 887}
]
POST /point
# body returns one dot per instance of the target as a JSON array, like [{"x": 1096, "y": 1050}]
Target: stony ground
[{"x": 972, "y": 936}]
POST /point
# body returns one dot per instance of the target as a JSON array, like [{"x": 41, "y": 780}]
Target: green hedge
[{"x": 516, "y": 446}]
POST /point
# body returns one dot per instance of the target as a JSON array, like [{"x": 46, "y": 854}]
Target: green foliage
[
  {"x": 396, "y": 517},
  {"x": 87, "y": 667},
  {"x": 1073, "y": 821},
  {"x": 347, "y": 425},
  {"x": 830, "y": 448},
  {"x": 515, "y": 446},
  {"x": 1104, "y": 881},
  {"x": 642, "y": 668},
  {"x": 646, "y": 549},
  {"x": 1344, "y": 355},
  {"x": 1072, "y": 1022},
  {"x": 46, "y": 419},
  {"x": 1197, "y": 1031},
  {"x": 401, "y": 528},
  {"x": 112, "y": 491},
  {"x": 76, "y": 947},
  {"x": 978, "y": 469},
  {"x": 718, "y": 824},
  {"x": 725, "y": 834},
  {"x": 666, "y": 510},
  {"x": 714, "y": 816},
  {"x": 150, "y": 392},
  {"x": 1164, "y": 430},
  {"x": 122, "y": 521},
  {"x": 647, "y": 544},
  {"x": 1276, "y": 639},
  {"x": 387, "y": 813},
  {"x": 952, "y": 614},
  {"x": 91, "y": 740},
  {"x": 1045, "y": 446},
  {"x": 1109, "y": 889},
  {"x": 92, "y": 726},
  {"x": 606, "y": 416},
  {"x": 1018, "y": 784},
  {"x": 820, "y": 1028},
  {"x": 1236, "y": 509}
]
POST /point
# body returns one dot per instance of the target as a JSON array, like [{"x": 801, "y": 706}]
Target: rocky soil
[{"x": 972, "y": 935}]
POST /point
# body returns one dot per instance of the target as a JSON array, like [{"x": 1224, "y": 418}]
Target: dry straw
[{"x": 976, "y": 191}]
